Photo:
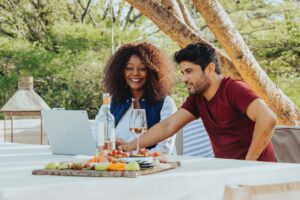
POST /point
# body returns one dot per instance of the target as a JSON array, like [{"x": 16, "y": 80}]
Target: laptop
[{"x": 69, "y": 132}]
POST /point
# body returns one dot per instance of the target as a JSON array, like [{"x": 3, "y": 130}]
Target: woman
[{"x": 139, "y": 75}]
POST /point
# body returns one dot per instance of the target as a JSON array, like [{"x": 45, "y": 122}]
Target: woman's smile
[{"x": 135, "y": 73}]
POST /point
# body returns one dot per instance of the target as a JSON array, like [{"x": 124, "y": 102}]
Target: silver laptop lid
[{"x": 69, "y": 132}]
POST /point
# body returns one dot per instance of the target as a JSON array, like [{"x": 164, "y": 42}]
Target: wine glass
[{"x": 138, "y": 123}]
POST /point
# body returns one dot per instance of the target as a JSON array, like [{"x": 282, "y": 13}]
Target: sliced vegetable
[
  {"x": 101, "y": 166},
  {"x": 132, "y": 166},
  {"x": 116, "y": 167}
]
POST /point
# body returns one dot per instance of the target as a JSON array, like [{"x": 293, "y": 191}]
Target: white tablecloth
[{"x": 197, "y": 178}]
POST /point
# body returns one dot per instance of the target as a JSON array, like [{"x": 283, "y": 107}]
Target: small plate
[
  {"x": 137, "y": 155},
  {"x": 139, "y": 159}
]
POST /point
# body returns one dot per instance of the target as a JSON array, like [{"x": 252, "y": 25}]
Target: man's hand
[
  {"x": 127, "y": 147},
  {"x": 161, "y": 130},
  {"x": 119, "y": 142}
]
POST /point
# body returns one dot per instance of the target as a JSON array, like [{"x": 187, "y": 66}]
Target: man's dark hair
[{"x": 199, "y": 54}]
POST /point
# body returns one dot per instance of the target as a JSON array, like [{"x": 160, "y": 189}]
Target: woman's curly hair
[{"x": 160, "y": 72}]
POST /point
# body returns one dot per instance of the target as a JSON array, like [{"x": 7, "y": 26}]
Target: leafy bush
[{"x": 69, "y": 77}]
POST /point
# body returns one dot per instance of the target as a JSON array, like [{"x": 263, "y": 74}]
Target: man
[{"x": 240, "y": 125}]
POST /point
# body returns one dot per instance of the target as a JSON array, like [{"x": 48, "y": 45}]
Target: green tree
[{"x": 65, "y": 44}]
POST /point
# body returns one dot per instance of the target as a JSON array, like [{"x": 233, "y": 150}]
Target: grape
[
  {"x": 64, "y": 166},
  {"x": 52, "y": 165}
]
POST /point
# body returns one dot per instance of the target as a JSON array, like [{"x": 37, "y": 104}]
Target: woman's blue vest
[{"x": 152, "y": 111}]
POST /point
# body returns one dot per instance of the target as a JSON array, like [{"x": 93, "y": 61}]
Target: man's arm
[
  {"x": 265, "y": 121},
  {"x": 162, "y": 130}
]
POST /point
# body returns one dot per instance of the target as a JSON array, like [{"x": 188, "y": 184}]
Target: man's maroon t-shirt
[{"x": 225, "y": 120}]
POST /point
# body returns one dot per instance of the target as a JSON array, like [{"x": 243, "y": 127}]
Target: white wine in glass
[{"x": 138, "y": 123}]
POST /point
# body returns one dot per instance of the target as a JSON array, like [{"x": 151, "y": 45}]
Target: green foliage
[
  {"x": 68, "y": 77},
  {"x": 279, "y": 53},
  {"x": 65, "y": 54},
  {"x": 66, "y": 61},
  {"x": 271, "y": 29},
  {"x": 290, "y": 86}
]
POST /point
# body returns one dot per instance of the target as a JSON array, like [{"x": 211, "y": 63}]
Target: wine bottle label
[
  {"x": 100, "y": 134},
  {"x": 113, "y": 135}
]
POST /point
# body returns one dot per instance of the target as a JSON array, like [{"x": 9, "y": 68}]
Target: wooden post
[
  {"x": 41, "y": 131},
  {"x": 4, "y": 121},
  {"x": 11, "y": 130}
]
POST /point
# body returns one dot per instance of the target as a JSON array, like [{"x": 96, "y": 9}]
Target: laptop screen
[{"x": 69, "y": 132}]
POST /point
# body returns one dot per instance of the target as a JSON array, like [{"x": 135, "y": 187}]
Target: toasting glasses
[{"x": 138, "y": 123}]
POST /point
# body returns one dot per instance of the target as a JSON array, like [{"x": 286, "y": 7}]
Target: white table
[{"x": 197, "y": 178}]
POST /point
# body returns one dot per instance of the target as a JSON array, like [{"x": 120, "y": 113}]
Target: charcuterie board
[{"x": 93, "y": 173}]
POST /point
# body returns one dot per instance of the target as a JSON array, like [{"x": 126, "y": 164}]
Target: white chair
[
  {"x": 194, "y": 141},
  {"x": 290, "y": 191}
]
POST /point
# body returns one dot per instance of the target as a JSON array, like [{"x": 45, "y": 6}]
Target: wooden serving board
[{"x": 93, "y": 173}]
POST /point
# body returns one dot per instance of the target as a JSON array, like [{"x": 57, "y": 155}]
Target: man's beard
[{"x": 200, "y": 87}]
